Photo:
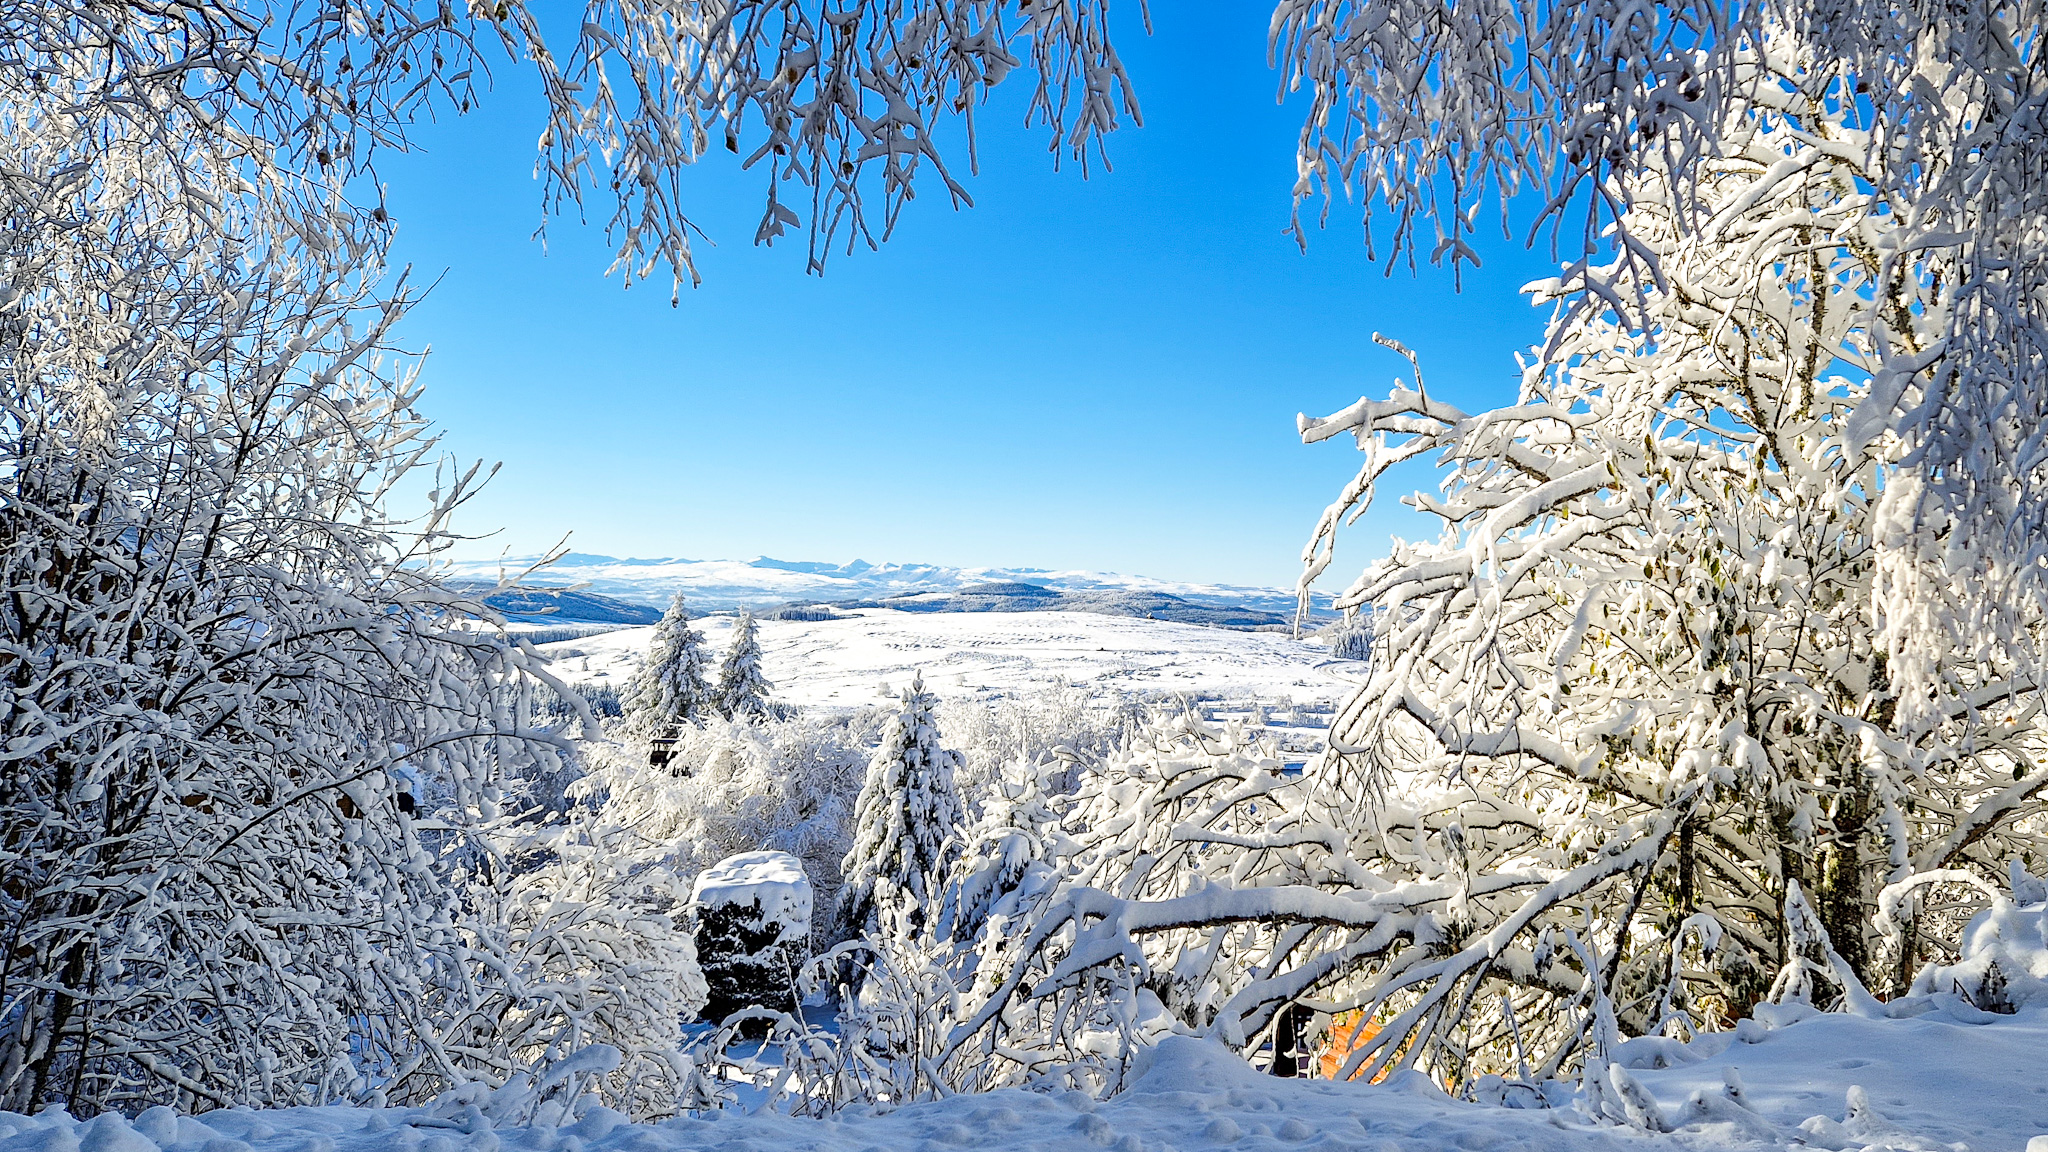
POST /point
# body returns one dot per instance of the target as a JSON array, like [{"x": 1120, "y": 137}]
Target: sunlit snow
[
  {"x": 872, "y": 655},
  {"x": 1931, "y": 1083}
]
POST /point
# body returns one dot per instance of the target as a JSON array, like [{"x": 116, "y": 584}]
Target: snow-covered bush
[
  {"x": 905, "y": 826},
  {"x": 896, "y": 1015},
  {"x": 599, "y": 957},
  {"x": 1059, "y": 720},
  {"x": 2001, "y": 959},
  {"x": 1132, "y": 905},
  {"x": 786, "y": 785},
  {"x": 898, "y": 1006},
  {"x": 752, "y": 923}
]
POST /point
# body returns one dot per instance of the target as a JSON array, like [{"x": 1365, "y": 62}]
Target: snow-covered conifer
[
  {"x": 669, "y": 689},
  {"x": 1351, "y": 637},
  {"x": 1005, "y": 850},
  {"x": 905, "y": 824},
  {"x": 742, "y": 690}
]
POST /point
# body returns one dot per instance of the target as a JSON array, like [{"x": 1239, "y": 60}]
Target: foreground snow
[
  {"x": 872, "y": 654},
  {"x": 1928, "y": 1084}
]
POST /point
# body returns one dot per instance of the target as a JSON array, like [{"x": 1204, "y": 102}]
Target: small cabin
[{"x": 661, "y": 750}]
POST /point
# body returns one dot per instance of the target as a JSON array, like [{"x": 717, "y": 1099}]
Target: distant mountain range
[
  {"x": 1017, "y": 596},
  {"x": 609, "y": 589}
]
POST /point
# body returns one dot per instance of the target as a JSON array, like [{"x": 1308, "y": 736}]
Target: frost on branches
[
  {"x": 841, "y": 107},
  {"x": 1623, "y": 120},
  {"x": 668, "y": 690},
  {"x": 905, "y": 826},
  {"x": 596, "y": 935},
  {"x": 1633, "y": 755},
  {"x": 246, "y": 733},
  {"x": 742, "y": 691},
  {"x": 1656, "y": 623}
]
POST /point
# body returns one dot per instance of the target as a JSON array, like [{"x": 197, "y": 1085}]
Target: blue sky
[{"x": 1093, "y": 374}]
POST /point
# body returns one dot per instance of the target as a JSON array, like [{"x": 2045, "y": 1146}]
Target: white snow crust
[
  {"x": 1931, "y": 1083},
  {"x": 871, "y": 655},
  {"x": 774, "y": 880}
]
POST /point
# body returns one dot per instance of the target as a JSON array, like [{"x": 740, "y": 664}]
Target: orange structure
[{"x": 1348, "y": 1030}]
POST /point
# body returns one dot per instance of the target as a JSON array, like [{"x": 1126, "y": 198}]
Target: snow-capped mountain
[{"x": 764, "y": 581}]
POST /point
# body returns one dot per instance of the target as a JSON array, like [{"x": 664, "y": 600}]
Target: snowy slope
[
  {"x": 848, "y": 662},
  {"x": 714, "y": 584},
  {"x": 1928, "y": 1084}
]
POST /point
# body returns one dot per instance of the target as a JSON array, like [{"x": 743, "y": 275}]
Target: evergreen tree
[
  {"x": 742, "y": 690},
  {"x": 669, "y": 687},
  {"x": 904, "y": 826}
]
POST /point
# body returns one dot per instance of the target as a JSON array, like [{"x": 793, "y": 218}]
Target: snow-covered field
[
  {"x": 1932, "y": 1083},
  {"x": 874, "y": 653}
]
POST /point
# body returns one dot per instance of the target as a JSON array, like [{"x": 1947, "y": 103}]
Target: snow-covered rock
[{"x": 753, "y": 914}]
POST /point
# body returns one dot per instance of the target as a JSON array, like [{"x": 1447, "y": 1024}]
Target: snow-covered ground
[
  {"x": 1929, "y": 1084},
  {"x": 714, "y": 584},
  {"x": 873, "y": 653}
]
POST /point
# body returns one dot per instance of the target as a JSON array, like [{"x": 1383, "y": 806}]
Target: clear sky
[{"x": 1092, "y": 374}]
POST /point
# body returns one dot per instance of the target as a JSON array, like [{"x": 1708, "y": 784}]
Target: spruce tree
[
  {"x": 904, "y": 826},
  {"x": 669, "y": 688},
  {"x": 742, "y": 690}
]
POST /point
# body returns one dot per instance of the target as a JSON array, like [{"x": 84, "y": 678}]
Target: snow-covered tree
[
  {"x": 1003, "y": 862},
  {"x": 742, "y": 690},
  {"x": 1423, "y": 109},
  {"x": 232, "y": 692},
  {"x": 668, "y": 689},
  {"x": 1633, "y": 754},
  {"x": 786, "y": 784},
  {"x": 837, "y": 106},
  {"x": 905, "y": 826},
  {"x": 1676, "y": 562}
]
